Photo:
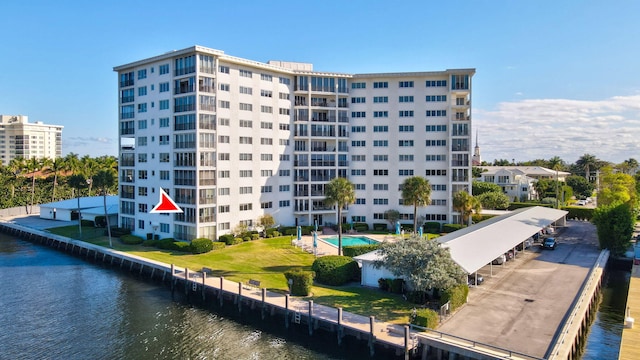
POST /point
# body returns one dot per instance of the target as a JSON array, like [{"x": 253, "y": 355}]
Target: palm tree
[
  {"x": 104, "y": 180},
  {"x": 78, "y": 182},
  {"x": 465, "y": 204},
  {"x": 72, "y": 163},
  {"x": 339, "y": 192},
  {"x": 586, "y": 162},
  {"x": 89, "y": 169},
  {"x": 16, "y": 165},
  {"x": 107, "y": 162},
  {"x": 32, "y": 166},
  {"x": 56, "y": 165},
  {"x": 416, "y": 190},
  {"x": 556, "y": 164}
]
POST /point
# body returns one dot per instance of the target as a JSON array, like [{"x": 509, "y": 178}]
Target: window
[
  {"x": 436, "y": 98},
  {"x": 436, "y": 172},
  {"x": 246, "y": 73},
  {"x": 142, "y": 191},
  {"x": 436, "y": 83},
  {"x": 266, "y": 205},
  {"x": 405, "y": 128},
  {"x": 246, "y": 90},
  {"x": 284, "y": 203},
  {"x": 405, "y": 157},
  {"x": 164, "y": 104},
  {"x": 245, "y": 207},
  {"x": 431, "y": 113},
  {"x": 127, "y": 95},
  {"x": 266, "y": 173},
  {"x": 358, "y": 100},
  {"x": 163, "y": 139},
  {"x": 284, "y": 157},
  {"x": 405, "y": 84},
  {"x": 223, "y": 174},
  {"x": 186, "y": 103},
  {"x": 206, "y": 84},
  {"x": 266, "y": 77},
  {"x": 266, "y": 109},
  {"x": 164, "y": 69},
  {"x": 358, "y": 85},
  {"x": 358, "y": 157},
  {"x": 382, "y": 143},
  {"x": 459, "y": 144},
  {"x": 142, "y": 74},
  {"x": 142, "y": 124},
  {"x": 380, "y": 85},
  {"x": 405, "y": 143},
  {"x": 246, "y": 107},
  {"x": 358, "y": 129},
  {"x": 142, "y": 91},
  {"x": 164, "y": 174},
  {"x": 438, "y": 187},
  {"x": 164, "y": 157},
  {"x": 223, "y": 69},
  {"x": 164, "y": 87},
  {"x": 436, "y": 143},
  {"x": 405, "y": 99},
  {"x": 380, "y": 114},
  {"x": 436, "y": 158},
  {"x": 246, "y": 190},
  {"x": 405, "y": 172},
  {"x": 380, "y": 99},
  {"x": 358, "y": 172},
  {"x": 142, "y": 157},
  {"x": 380, "y": 201},
  {"x": 126, "y": 79},
  {"x": 142, "y": 108},
  {"x": 185, "y": 65},
  {"x": 224, "y": 87},
  {"x": 380, "y": 172},
  {"x": 224, "y": 156},
  {"x": 436, "y": 128},
  {"x": 266, "y": 93},
  {"x": 223, "y": 209},
  {"x": 405, "y": 113},
  {"x": 285, "y": 81},
  {"x": 381, "y": 128},
  {"x": 246, "y": 123},
  {"x": 224, "y": 104},
  {"x": 380, "y": 157},
  {"x": 246, "y": 173},
  {"x": 283, "y": 96},
  {"x": 358, "y": 143},
  {"x": 142, "y": 141},
  {"x": 142, "y": 174},
  {"x": 266, "y": 189},
  {"x": 358, "y": 114},
  {"x": 284, "y": 188},
  {"x": 266, "y": 141},
  {"x": 245, "y": 157},
  {"x": 360, "y": 201},
  {"x": 380, "y": 187}
]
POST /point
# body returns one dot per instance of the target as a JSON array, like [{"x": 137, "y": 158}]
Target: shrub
[
  {"x": 182, "y": 246},
  {"x": 226, "y": 238},
  {"x": 397, "y": 285},
  {"x": 91, "y": 223},
  {"x": 361, "y": 226},
  {"x": 118, "y": 231},
  {"x": 335, "y": 270},
  {"x": 449, "y": 228},
  {"x": 100, "y": 221},
  {"x": 518, "y": 205},
  {"x": 270, "y": 232},
  {"x": 255, "y": 236},
  {"x": 433, "y": 227},
  {"x": 236, "y": 241},
  {"x": 579, "y": 212},
  {"x": 217, "y": 245},
  {"x": 355, "y": 250},
  {"x": 426, "y": 318},
  {"x": 457, "y": 295},
  {"x": 131, "y": 239},
  {"x": 201, "y": 245},
  {"x": 302, "y": 281},
  {"x": 380, "y": 227},
  {"x": 383, "y": 284},
  {"x": 150, "y": 243},
  {"x": 165, "y": 244}
]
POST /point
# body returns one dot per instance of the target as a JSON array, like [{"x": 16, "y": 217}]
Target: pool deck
[{"x": 306, "y": 242}]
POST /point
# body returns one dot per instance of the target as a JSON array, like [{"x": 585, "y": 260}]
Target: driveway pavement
[{"x": 521, "y": 307}]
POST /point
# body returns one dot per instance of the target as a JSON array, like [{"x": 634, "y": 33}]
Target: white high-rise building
[
  {"x": 231, "y": 139},
  {"x": 19, "y": 138}
]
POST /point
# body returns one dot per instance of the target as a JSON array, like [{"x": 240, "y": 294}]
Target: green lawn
[{"x": 265, "y": 260}]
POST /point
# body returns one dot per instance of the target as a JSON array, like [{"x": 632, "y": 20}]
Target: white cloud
[{"x": 543, "y": 128}]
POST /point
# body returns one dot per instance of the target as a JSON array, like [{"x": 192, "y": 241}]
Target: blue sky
[{"x": 552, "y": 77}]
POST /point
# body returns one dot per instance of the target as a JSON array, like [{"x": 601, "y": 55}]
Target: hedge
[
  {"x": 427, "y": 318},
  {"x": 457, "y": 295},
  {"x": 380, "y": 227},
  {"x": 519, "y": 205},
  {"x": 117, "y": 231},
  {"x": 201, "y": 245},
  {"x": 150, "y": 243},
  {"x": 579, "y": 212},
  {"x": 335, "y": 270},
  {"x": 449, "y": 228},
  {"x": 361, "y": 226},
  {"x": 217, "y": 245},
  {"x": 432, "y": 227},
  {"x": 226, "y": 238},
  {"x": 302, "y": 281},
  {"x": 171, "y": 244},
  {"x": 131, "y": 239},
  {"x": 480, "y": 217},
  {"x": 355, "y": 250}
]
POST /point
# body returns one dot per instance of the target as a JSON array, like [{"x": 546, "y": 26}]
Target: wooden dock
[{"x": 630, "y": 346}]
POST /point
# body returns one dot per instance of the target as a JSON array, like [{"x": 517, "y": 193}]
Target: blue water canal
[{"x": 55, "y": 306}]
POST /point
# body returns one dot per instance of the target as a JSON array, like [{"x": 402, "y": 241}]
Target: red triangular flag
[{"x": 166, "y": 204}]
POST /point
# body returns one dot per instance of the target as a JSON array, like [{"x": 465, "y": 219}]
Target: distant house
[
  {"x": 517, "y": 181},
  {"x": 90, "y": 207}
]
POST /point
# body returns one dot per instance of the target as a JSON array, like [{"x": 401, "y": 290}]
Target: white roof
[
  {"x": 86, "y": 202},
  {"x": 99, "y": 211},
  {"x": 477, "y": 245},
  {"x": 368, "y": 257}
]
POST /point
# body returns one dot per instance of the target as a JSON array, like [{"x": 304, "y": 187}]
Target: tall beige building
[{"x": 19, "y": 138}]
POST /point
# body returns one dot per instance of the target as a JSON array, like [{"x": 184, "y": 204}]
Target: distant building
[
  {"x": 476, "y": 160},
  {"x": 19, "y": 138},
  {"x": 232, "y": 139},
  {"x": 517, "y": 181}
]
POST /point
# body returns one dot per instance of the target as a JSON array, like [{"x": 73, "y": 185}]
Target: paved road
[{"x": 521, "y": 307}]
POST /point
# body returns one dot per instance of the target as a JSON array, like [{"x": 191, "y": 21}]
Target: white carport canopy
[{"x": 478, "y": 245}]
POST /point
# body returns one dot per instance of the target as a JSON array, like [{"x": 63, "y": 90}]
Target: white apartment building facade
[
  {"x": 231, "y": 139},
  {"x": 19, "y": 138}
]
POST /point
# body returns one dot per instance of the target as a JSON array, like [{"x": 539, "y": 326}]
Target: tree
[
  {"x": 493, "y": 200},
  {"x": 340, "y": 192},
  {"x": 56, "y": 165},
  {"x": 266, "y": 221},
  {"x": 481, "y": 187},
  {"x": 555, "y": 163},
  {"x": 587, "y": 162},
  {"x": 465, "y": 204},
  {"x": 78, "y": 182},
  {"x": 580, "y": 186},
  {"x": 501, "y": 162},
  {"x": 89, "y": 169},
  {"x": 392, "y": 216},
  {"x": 542, "y": 187},
  {"x": 32, "y": 166},
  {"x": 104, "y": 180},
  {"x": 423, "y": 264},
  {"x": 616, "y": 187},
  {"x": 615, "y": 224},
  {"x": 476, "y": 172},
  {"x": 416, "y": 190}
]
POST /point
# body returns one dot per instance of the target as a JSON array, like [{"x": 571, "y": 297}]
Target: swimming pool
[{"x": 350, "y": 240}]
